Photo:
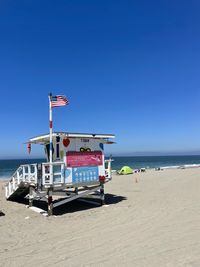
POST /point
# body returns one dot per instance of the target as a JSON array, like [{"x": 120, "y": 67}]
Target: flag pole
[{"x": 50, "y": 139}]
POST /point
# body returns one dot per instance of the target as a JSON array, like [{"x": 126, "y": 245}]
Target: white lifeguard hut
[{"x": 75, "y": 167}]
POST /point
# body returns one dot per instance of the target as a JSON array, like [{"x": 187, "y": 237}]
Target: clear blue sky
[{"x": 128, "y": 67}]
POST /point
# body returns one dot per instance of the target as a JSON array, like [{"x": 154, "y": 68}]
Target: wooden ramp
[{"x": 19, "y": 193}]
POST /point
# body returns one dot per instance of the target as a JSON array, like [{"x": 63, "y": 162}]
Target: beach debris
[{"x": 26, "y": 218}]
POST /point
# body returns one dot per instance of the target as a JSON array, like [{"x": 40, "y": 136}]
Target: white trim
[{"x": 45, "y": 137}]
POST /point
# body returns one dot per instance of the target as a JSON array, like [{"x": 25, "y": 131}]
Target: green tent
[{"x": 125, "y": 170}]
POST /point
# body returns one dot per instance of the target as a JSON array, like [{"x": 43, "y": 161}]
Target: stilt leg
[
  {"x": 50, "y": 202},
  {"x": 76, "y": 190},
  {"x": 31, "y": 196},
  {"x": 102, "y": 195}
]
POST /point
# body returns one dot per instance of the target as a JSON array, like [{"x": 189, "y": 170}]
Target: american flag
[{"x": 58, "y": 101}]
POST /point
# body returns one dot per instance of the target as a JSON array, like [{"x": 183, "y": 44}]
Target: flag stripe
[{"x": 58, "y": 101}]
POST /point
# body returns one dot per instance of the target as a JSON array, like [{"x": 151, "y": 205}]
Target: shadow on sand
[
  {"x": 76, "y": 205},
  {"x": 2, "y": 213}
]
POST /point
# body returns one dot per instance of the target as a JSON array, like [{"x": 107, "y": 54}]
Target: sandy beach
[{"x": 155, "y": 222}]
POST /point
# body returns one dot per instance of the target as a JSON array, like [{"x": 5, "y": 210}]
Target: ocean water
[
  {"x": 8, "y": 167},
  {"x": 152, "y": 162}
]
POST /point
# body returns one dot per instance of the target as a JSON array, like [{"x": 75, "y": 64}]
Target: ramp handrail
[
  {"x": 24, "y": 173},
  {"x": 28, "y": 173}
]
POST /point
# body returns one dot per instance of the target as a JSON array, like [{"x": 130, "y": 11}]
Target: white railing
[
  {"x": 29, "y": 173},
  {"x": 25, "y": 173},
  {"x": 108, "y": 170},
  {"x": 58, "y": 176}
]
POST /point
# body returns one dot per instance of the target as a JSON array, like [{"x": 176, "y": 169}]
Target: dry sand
[{"x": 155, "y": 222}]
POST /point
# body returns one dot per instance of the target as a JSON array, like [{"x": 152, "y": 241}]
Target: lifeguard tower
[{"x": 74, "y": 168}]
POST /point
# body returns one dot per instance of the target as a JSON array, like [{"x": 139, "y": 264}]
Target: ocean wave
[{"x": 186, "y": 166}]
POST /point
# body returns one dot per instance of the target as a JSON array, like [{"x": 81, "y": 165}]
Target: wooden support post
[
  {"x": 76, "y": 190},
  {"x": 102, "y": 195},
  {"x": 31, "y": 196},
  {"x": 39, "y": 176},
  {"x": 50, "y": 202}
]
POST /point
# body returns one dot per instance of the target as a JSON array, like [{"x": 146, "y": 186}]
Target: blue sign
[{"x": 85, "y": 174}]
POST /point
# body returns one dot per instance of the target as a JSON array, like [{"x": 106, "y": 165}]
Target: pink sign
[{"x": 87, "y": 158}]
